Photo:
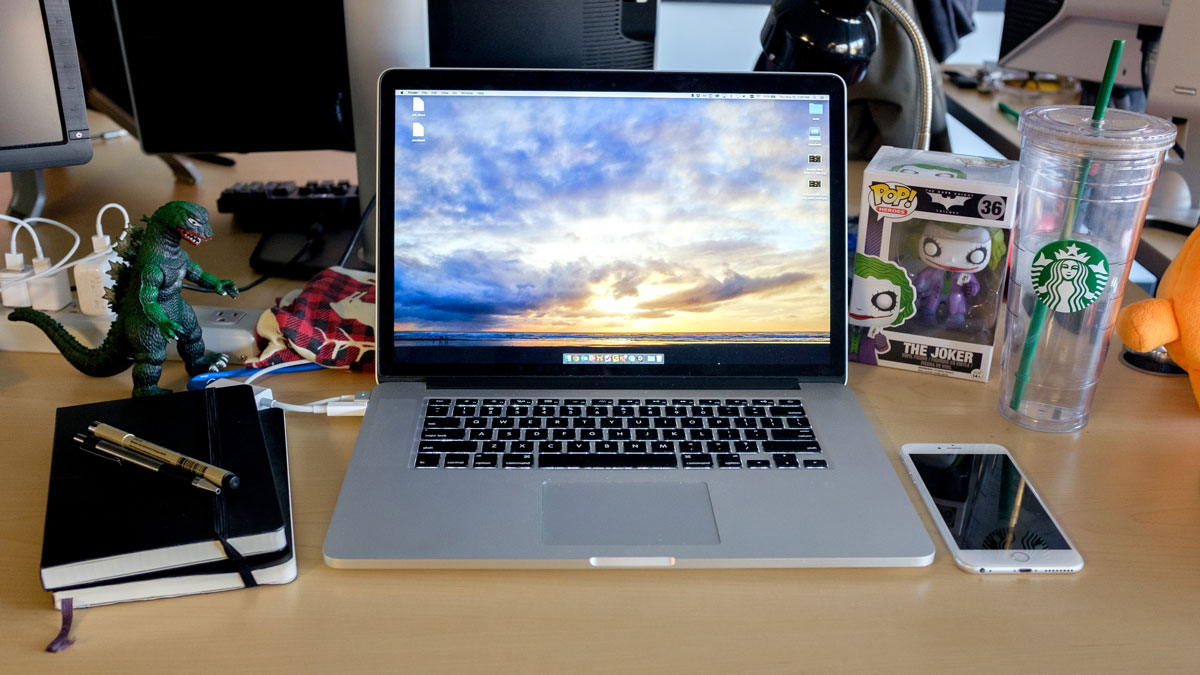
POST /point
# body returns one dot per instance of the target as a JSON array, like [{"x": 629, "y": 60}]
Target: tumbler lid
[{"x": 1070, "y": 129}]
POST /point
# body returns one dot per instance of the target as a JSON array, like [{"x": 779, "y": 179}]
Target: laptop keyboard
[{"x": 600, "y": 433}]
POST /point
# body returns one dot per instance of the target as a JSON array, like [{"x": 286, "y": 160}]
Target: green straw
[{"x": 1038, "y": 318}]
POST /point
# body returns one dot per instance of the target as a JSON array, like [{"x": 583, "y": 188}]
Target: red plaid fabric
[{"x": 330, "y": 322}]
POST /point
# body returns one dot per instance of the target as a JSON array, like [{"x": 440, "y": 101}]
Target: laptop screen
[{"x": 651, "y": 225}]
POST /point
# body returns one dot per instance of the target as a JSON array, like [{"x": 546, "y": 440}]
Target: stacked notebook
[{"x": 116, "y": 532}]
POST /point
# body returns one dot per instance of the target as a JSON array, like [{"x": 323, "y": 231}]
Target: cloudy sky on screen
[{"x": 608, "y": 216}]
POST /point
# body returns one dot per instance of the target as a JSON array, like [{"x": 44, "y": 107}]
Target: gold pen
[{"x": 213, "y": 474}]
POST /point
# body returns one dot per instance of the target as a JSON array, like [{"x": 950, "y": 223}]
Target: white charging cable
[
  {"x": 347, "y": 405},
  {"x": 59, "y": 266}
]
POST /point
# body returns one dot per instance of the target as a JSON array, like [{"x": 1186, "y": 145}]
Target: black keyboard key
[
  {"x": 547, "y": 401},
  {"x": 729, "y": 461},
  {"x": 762, "y": 401},
  {"x": 728, "y": 411},
  {"x": 683, "y": 401},
  {"x": 746, "y": 423},
  {"x": 758, "y": 464},
  {"x": 597, "y": 411},
  {"x": 520, "y": 461},
  {"x": 719, "y": 423},
  {"x": 618, "y": 435},
  {"x": 612, "y": 423},
  {"x": 443, "y": 434},
  {"x": 486, "y": 461},
  {"x": 646, "y": 434},
  {"x": 792, "y": 435},
  {"x": 702, "y": 411},
  {"x": 494, "y": 446},
  {"x": 607, "y": 446},
  {"x": 520, "y": 447},
  {"x": 691, "y": 446},
  {"x": 579, "y": 446},
  {"x": 673, "y": 434},
  {"x": 584, "y": 423},
  {"x": 790, "y": 401},
  {"x": 428, "y": 461},
  {"x": 754, "y": 411},
  {"x": 503, "y": 423},
  {"x": 736, "y": 401},
  {"x": 571, "y": 411},
  {"x": 442, "y": 423},
  {"x": 697, "y": 461},
  {"x": 754, "y": 434},
  {"x": 558, "y": 423},
  {"x": 508, "y": 434},
  {"x": 624, "y": 411},
  {"x": 536, "y": 434},
  {"x": 480, "y": 434},
  {"x": 495, "y": 401},
  {"x": 602, "y": 401},
  {"x": 656, "y": 401},
  {"x": 786, "y": 462},
  {"x": 629, "y": 401},
  {"x": 564, "y": 434},
  {"x": 446, "y": 446},
  {"x": 550, "y": 446},
  {"x": 457, "y": 460},
  {"x": 745, "y": 446},
  {"x": 439, "y": 401},
  {"x": 650, "y": 411},
  {"x": 516, "y": 411},
  {"x": 664, "y": 423},
  {"x": 529, "y": 423},
  {"x": 521, "y": 401},
  {"x": 729, "y": 435},
  {"x": 607, "y": 461},
  {"x": 815, "y": 464},
  {"x": 718, "y": 446},
  {"x": 700, "y": 434},
  {"x": 710, "y": 401},
  {"x": 575, "y": 401},
  {"x": 476, "y": 423},
  {"x": 662, "y": 446},
  {"x": 437, "y": 410},
  {"x": 691, "y": 423},
  {"x": 464, "y": 410},
  {"x": 638, "y": 423},
  {"x": 791, "y": 446},
  {"x": 785, "y": 411},
  {"x": 676, "y": 411},
  {"x": 544, "y": 411},
  {"x": 770, "y": 423},
  {"x": 634, "y": 446},
  {"x": 798, "y": 423},
  {"x": 591, "y": 434}
]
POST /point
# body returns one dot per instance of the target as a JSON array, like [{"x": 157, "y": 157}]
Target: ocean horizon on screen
[{"x": 608, "y": 221}]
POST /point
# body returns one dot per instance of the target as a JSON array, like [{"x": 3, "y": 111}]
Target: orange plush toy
[{"x": 1172, "y": 317}]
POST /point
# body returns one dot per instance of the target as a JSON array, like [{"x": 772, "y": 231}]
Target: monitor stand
[{"x": 28, "y": 194}]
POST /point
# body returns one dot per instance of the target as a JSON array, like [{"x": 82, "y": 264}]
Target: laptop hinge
[{"x": 611, "y": 382}]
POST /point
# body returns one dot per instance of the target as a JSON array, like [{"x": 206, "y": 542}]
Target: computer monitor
[
  {"x": 1073, "y": 38},
  {"x": 43, "y": 121},
  {"x": 235, "y": 76}
]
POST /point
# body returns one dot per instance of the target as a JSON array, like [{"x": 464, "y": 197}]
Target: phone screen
[{"x": 986, "y": 503}]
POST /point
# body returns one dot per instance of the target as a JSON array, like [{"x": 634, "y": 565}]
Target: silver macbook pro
[{"x": 612, "y": 330}]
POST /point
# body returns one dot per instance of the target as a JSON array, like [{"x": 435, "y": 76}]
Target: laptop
[{"x": 612, "y": 330}]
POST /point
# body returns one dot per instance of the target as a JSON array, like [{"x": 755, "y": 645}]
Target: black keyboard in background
[{"x": 617, "y": 434}]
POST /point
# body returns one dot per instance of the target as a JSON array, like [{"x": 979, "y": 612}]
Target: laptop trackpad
[{"x": 629, "y": 514}]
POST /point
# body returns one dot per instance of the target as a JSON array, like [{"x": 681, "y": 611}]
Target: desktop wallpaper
[{"x": 609, "y": 220}]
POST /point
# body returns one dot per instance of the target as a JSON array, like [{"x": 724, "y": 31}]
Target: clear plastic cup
[{"x": 1084, "y": 189}]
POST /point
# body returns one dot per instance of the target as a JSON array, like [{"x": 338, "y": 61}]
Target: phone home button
[{"x": 1020, "y": 556}]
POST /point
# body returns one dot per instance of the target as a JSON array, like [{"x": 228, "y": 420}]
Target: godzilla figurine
[{"x": 147, "y": 298}]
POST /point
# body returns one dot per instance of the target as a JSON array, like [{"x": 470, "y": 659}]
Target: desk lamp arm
[{"x": 924, "y": 70}]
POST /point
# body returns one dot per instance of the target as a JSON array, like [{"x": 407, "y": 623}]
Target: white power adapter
[
  {"x": 51, "y": 292},
  {"x": 15, "y": 294}
]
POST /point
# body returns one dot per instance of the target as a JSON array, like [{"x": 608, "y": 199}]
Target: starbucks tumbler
[{"x": 1084, "y": 189}]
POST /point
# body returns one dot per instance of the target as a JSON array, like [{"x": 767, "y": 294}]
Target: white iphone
[{"x": 986, "y": 510}]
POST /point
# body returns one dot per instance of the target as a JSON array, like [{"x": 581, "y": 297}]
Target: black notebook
[
  {"x": 223, "y": 575},
  {"x": 108, "y": 521}
]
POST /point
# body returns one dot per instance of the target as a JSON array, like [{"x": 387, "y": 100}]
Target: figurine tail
[{"x": 103, "y": 361}]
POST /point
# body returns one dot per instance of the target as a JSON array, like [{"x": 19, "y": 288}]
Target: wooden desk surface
[{"x": 1126, "y": 488}]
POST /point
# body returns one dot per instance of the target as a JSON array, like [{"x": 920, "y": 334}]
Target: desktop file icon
[
  {"x": 418, "y": 104},
  {"x": 418, "y": 130}
]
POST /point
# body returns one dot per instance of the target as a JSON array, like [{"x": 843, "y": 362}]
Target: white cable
[
  {"x": 12, "y": 247},
  {"x": 61, "y": 265},
  {"x": 106, "y": 207},
  {"x": 269, "y": 369}
]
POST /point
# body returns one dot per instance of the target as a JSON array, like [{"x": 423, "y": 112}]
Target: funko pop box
[{"x": 934, "y": 236}]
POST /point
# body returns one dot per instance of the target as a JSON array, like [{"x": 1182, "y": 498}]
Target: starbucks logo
[{"x": 1069, "y": 275}]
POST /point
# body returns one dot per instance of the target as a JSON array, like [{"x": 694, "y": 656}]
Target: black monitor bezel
[
  {"x": 76, "y": 146},
  {"x": 822, "y": 363}
]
